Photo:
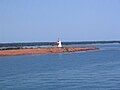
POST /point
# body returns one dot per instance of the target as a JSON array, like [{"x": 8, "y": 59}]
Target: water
[{"x": 92, "y": 70}]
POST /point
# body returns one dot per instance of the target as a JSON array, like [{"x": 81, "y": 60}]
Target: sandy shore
[{"x": 41, "y": 51}]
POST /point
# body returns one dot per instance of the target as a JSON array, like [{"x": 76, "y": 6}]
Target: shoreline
[{"x": 34, "y": 51}]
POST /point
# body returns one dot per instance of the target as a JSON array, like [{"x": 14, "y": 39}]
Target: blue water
[{"x": 92, "y": 70}]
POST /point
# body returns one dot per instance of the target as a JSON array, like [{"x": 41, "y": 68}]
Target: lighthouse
[{"x": 59, "y": 45}]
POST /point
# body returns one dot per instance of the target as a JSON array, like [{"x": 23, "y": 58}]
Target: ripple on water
[
  {"x": 76, "y": 71},
  {"x": 64, "y": 79}
]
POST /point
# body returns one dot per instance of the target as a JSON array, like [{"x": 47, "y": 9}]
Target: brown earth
[{"x": 41, "y": 51}]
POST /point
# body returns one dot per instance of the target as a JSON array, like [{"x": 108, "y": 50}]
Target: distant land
[
  {"x": 42, "y": 51},
  {"x": 52, "y": 43},
  {"x": 11, "y": 49}
]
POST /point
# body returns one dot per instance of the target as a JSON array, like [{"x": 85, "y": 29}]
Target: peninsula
[{"x": 49, "y": 50}]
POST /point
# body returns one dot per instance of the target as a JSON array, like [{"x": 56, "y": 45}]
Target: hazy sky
[{"x": 70, "y": 20}]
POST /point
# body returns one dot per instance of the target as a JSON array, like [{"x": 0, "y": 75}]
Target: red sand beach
[{"x": 41, "y": 51}]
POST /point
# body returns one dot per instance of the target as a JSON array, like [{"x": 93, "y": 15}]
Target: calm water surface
[{"x": 93, "y": 70}]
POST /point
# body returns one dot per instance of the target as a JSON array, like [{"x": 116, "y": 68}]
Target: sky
[{"x": 69, "y": 20}]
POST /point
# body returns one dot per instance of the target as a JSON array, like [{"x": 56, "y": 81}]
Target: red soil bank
[{"x": 41, "y": 51}]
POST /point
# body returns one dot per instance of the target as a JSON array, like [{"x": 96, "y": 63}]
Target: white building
[{"x": 59, "y": 43}]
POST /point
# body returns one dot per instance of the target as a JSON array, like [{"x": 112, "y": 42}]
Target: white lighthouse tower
[{"x": 59, "y": 43}]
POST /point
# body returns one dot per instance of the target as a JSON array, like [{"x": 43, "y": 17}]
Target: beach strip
[{"x": 41, "y": 51}]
